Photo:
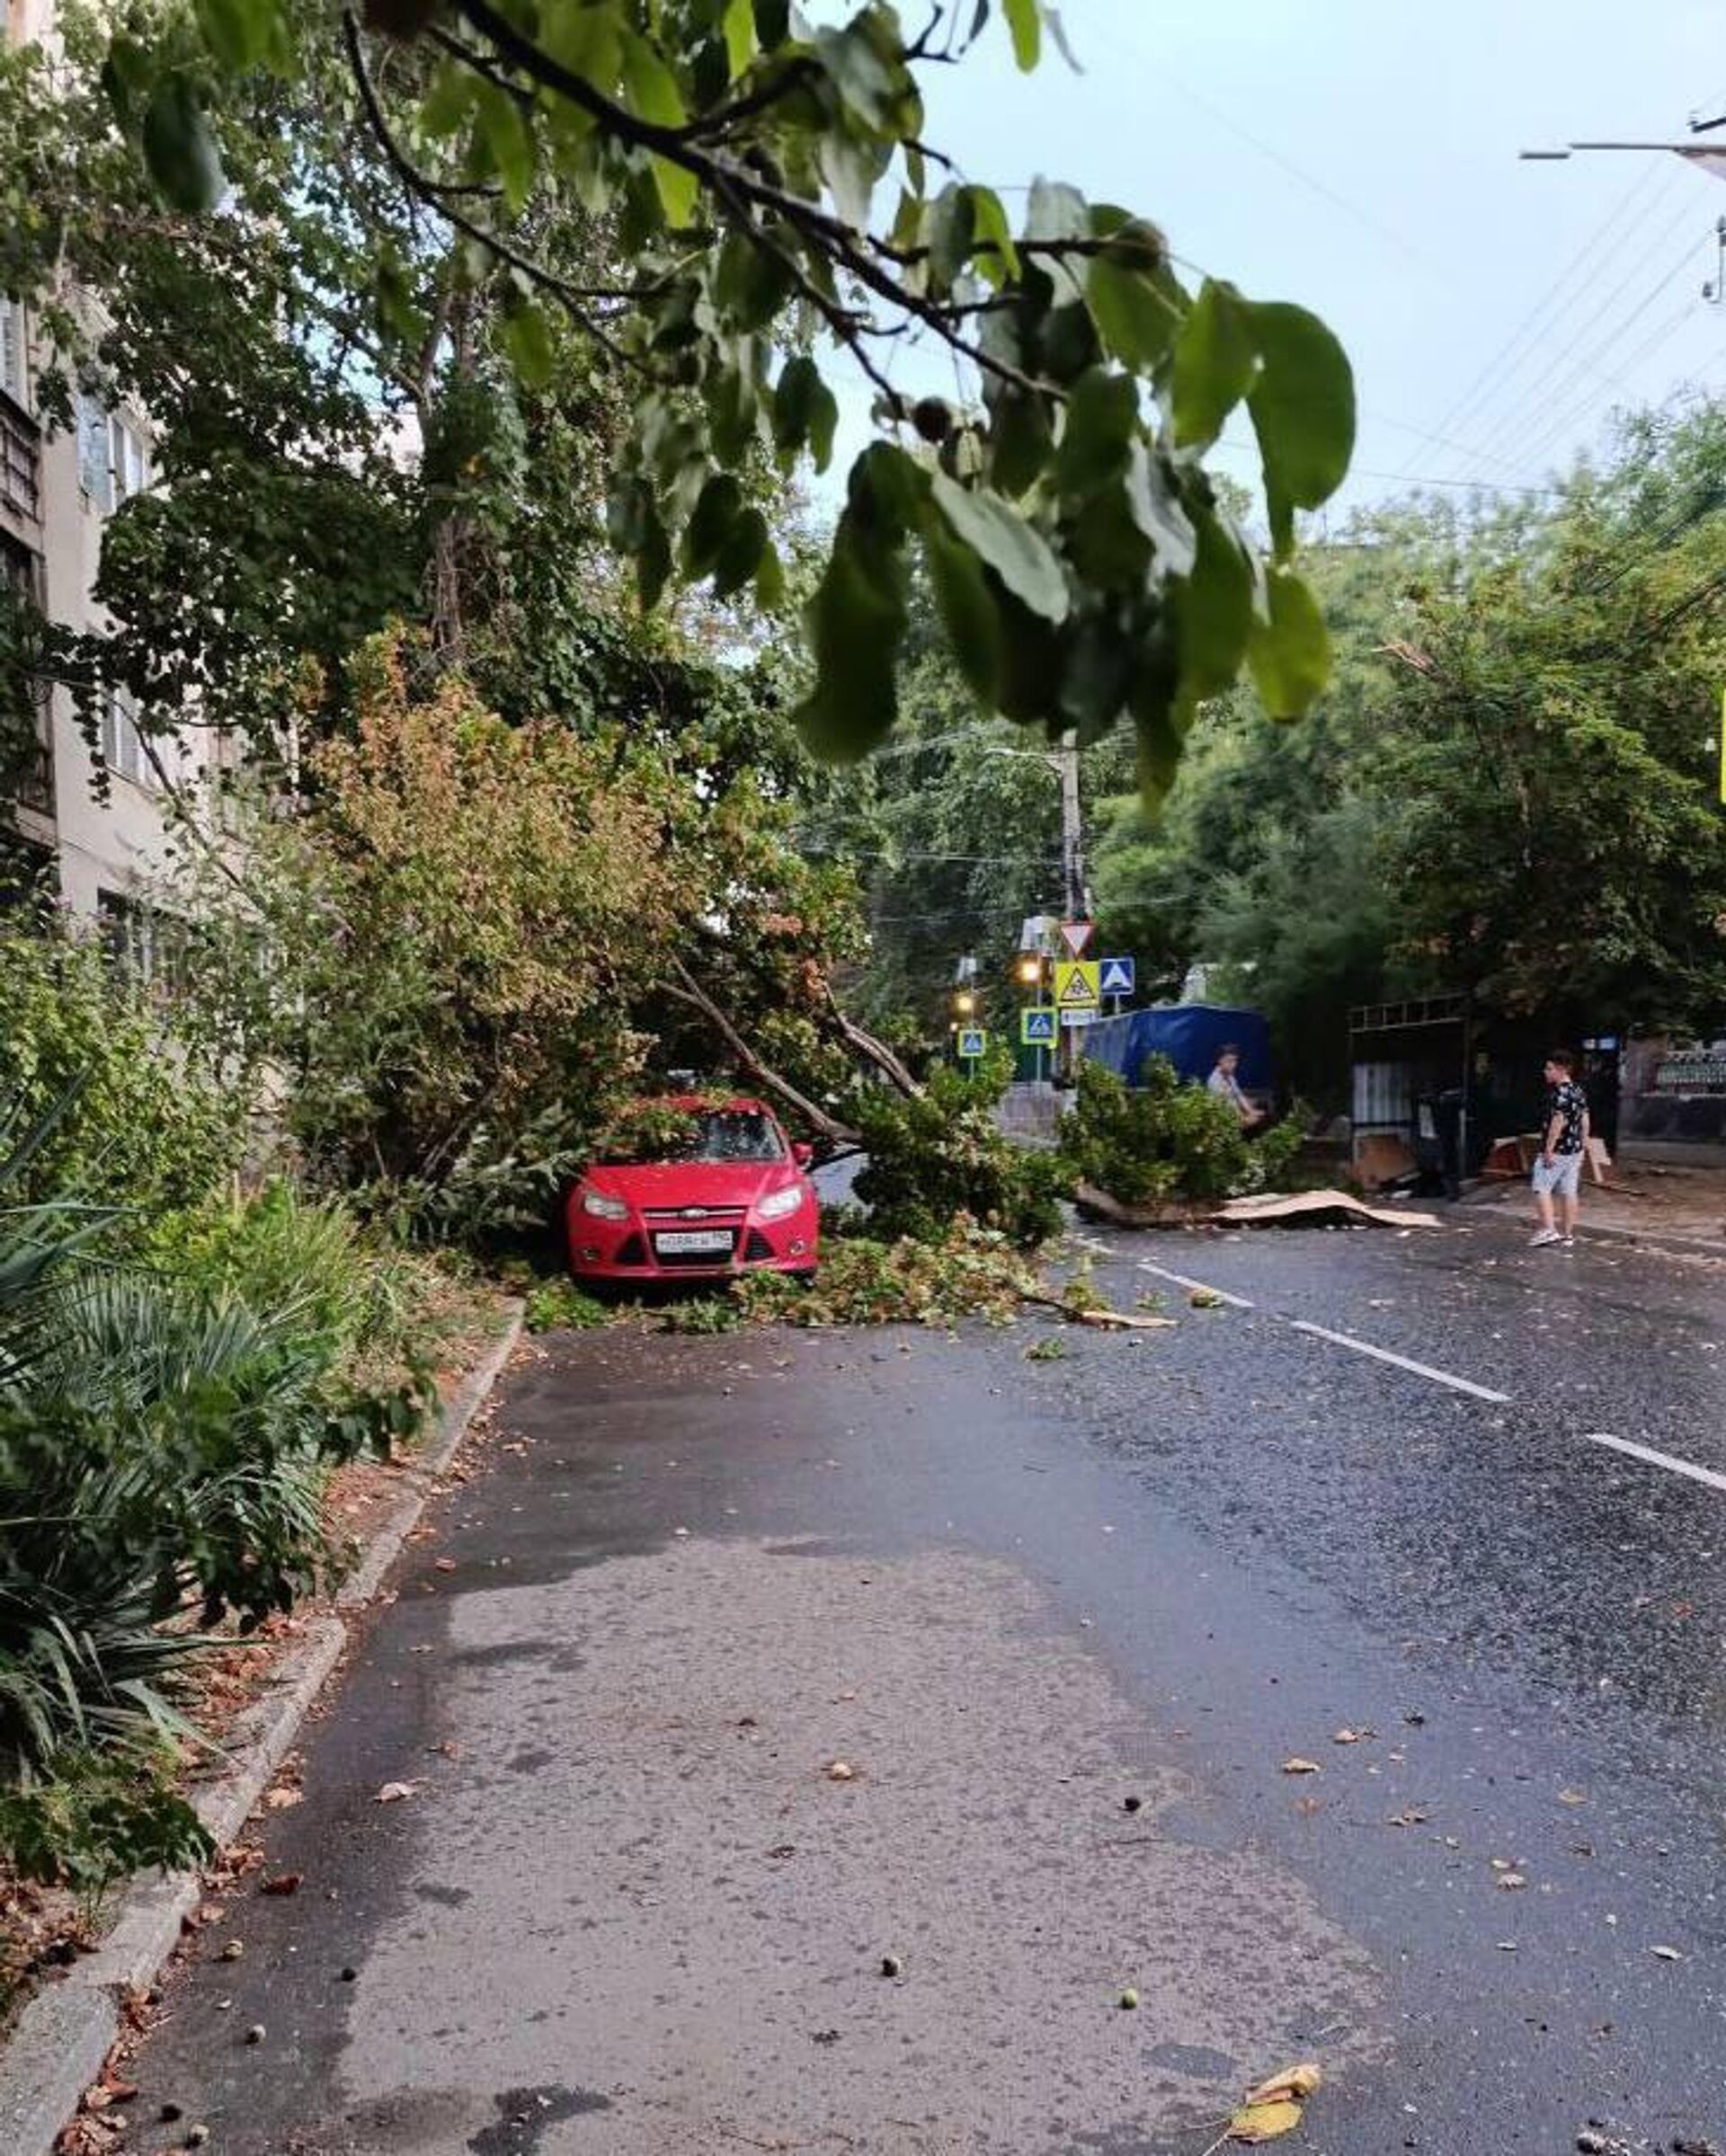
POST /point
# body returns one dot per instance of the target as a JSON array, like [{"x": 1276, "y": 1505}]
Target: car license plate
[{"x": 689, "y": 1241}]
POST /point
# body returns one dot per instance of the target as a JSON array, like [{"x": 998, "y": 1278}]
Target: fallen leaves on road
[
  {"x": 1665, "y": 1954},
  {"x": 393, "y": 1792},
  {"x": 1572, "y": 1797},
  {"x": 443, "y": 1564},
  {"x": 842, "y": 1770},
  {"x": 1300, "y": 1766},
  {"x": 284, "y": 1882},
  {"x": 1275, "y": 2107},
  {"x": 1347, "y": 1735},
  {"x": 1412, "y": 1816}
]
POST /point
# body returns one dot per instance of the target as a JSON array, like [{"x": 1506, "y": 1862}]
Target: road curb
[
  {"x": 1643, "y": 1238},
  {"x": 62, "y": 2035}
]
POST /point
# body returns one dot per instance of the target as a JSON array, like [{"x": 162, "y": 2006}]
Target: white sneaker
[
  {"x": 1567, "y": 1242},
  {"x": 1542, "y": 1236}
]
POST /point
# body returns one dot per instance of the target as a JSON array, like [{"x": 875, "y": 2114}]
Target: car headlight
[
  {"x": 778, "y": 1202},
  {"x": 603, "y": 1208}
]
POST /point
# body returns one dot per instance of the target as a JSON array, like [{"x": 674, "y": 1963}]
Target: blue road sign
[
  {"x": 973, "y": 1042},
  {"x": 1116, "y": 977},
  {"x": 1037, "y": 1026}
]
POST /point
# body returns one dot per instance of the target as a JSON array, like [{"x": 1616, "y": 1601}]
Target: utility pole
[{"x": 1074, "y": 893}]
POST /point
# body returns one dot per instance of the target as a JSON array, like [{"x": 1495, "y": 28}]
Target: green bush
[
  {"x": 560, "y": 1305},
  {"x": 942, "y": 1155},
  {"x": 967, "y": 1271},
  {"x": 1166, "y": 1140},
  {"x": 99, "y": 1820},
  {"x": 139, "y": 1123}
]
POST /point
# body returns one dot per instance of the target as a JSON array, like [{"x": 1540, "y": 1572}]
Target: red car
[{"x": 713, "y": 1189}]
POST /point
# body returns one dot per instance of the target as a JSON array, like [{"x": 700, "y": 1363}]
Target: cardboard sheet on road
[{"x": 1297, "y": 1208}]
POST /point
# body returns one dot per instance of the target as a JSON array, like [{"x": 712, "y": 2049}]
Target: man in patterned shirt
[{"x": 1557, "y": 1172}]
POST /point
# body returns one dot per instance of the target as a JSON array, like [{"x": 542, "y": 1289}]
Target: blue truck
[{"x": 1189, "y": 1035}]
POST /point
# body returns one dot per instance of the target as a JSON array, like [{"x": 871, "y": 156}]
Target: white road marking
[
  {"x": 1668, "y": 1460},
  {"x": 1199, "y": 1286},
  {"x": 1384, "y": 1354}
]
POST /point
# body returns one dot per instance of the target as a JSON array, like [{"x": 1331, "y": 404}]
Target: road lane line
[
  {"x": 1668, "y": 1460},
  {"x": 1200, "y": 1287},
  {"x": 1384, "y": 1354}
]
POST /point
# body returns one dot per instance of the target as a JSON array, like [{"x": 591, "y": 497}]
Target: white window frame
[
  {"x": 130, "y": 459},
  {"x": 122, "y": 747}
]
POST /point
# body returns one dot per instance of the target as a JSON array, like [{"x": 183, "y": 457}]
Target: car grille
[
  {"x": 631, "y": 1251},
  {"x": 757, "y": 1248},
  {"x": 695, "y": 1216}
]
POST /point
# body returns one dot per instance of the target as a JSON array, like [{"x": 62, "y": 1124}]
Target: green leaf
[
  {"x": 1289, "y": 654},
  {"x": 1135, "y": 319},
  {"x": 127, "y": 75},
  {"x": 770, "y": 581},
  {"x": 1302, "y": 407},
  {"x": 997, "y": 258},
  {"x": 1019, "y": 555},
  {"x": 180, "y": 149},
  {"x": 718, "y": 509},
  {"x": 507, "y": 145},
  {"x": 1159, "y": 509},
  {"x": 1216, "y": 358},
  {"x": 1213, "y": 610},
  {"x": 1055, "y": 211},
  {"x": 527, "y": 338},
  {"x": 1025, "y": 19},
  {"x": 740, "y": 554},
  {"x": 967, "y": 608},
  {"x": 739, "y": 25},
  {"x": 949, "y": 225},
  {"x": 858, "y": 73},
  {"x": 752, "y": 279},
  {"x": 1096, "y": 675},
  {"x": 772, "y": 22},
  {"x": 1101, "y": 425},
  {"x": 651, "y": 92},
  {"x": 239, "y": 32},
  {"x": 587, "y": 40},
  {"x": 1019, "y": 441},
  {"x": 804, "y": 411},
  {"x": 653, "y": 561},
  {"x": 856, "y": 623}
]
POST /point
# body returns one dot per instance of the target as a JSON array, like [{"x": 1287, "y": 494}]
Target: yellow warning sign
[{"x": 1076, "y": 985}]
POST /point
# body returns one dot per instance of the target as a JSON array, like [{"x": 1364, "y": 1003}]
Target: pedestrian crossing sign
[
  {"x": 1037, "y": 1026},
  {"x": 973, "y": 1044},
  {"x": 1116, "y": 976},
  {"x": 1076, "y": 985}
]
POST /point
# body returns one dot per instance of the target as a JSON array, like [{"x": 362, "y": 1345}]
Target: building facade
[{"x": 94, "y": 817}]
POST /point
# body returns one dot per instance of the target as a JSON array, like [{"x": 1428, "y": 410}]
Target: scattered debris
[
  {"x": 1129, "y": 2000},
  {"x": 1345, "y": 1735},
  {"x": 1205, "y": 1299},
  {"x": 1666, "y": 1953},
  {"x": 891, "y": 1965},
  {"x": 232, "y": 1950},
  {"x": 1131, "y": 1803},
  {"x": 393, "y": 1792},
  {"x": 255, "y": 2033},
  {"x": 284, "y": 1882},
  {"x": 1300, "y": 1766},
  {"x": 842, "y": 1770}
]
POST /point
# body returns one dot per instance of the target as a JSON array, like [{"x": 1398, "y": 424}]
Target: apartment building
[{"x": 103, "y": 844}]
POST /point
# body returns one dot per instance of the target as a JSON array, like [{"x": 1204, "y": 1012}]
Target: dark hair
[
  {"x": 1562, "y": 1058},
  {"x": 1229, "y": 1048}
]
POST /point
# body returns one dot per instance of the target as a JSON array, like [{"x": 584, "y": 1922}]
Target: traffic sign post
[
  {"x": 973, "y": 1044},
  {"x": 1075, "y": 936},
  {"x": 1116, "y": 976},
  {"x": 1037, "y": 1026}
]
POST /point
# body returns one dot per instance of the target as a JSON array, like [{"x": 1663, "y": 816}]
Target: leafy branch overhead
[{"x": 779, "y": 218}]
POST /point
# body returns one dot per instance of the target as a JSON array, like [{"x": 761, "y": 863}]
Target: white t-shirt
[{"x": 1226, "y": 1087}]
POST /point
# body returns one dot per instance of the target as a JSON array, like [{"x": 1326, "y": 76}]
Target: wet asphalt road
[{"x": 1163, "y": 1563}]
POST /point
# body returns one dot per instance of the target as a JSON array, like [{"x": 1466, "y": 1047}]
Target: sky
[{"x": 1360, "y": 156}]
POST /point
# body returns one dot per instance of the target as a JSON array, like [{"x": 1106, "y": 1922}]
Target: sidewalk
[{"x": 1671, "y": 1201}]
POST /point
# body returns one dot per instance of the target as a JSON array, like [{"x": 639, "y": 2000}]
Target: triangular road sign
[
  {"x": 1076, "y": 934},
  {"x": 1075, "y": 986},
  {"x": 1116, "y": 976}
]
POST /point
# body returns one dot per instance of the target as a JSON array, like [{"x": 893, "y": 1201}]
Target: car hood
[{"x": 675, "y": 1182}]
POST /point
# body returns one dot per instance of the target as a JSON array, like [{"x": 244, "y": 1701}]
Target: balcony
[
  {"x": 21, "y": 484},
  {"x": 33, "y": 786}
]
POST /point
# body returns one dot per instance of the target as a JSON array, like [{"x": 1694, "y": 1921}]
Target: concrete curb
[
  {"x": 1673, "y": 1244},
  {"x": 61, "y": 2038}
]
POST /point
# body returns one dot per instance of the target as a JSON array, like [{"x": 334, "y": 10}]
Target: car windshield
[{"x": 729, "y": 1135}]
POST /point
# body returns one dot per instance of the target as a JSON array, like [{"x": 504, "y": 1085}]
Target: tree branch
[{"x": 685, "y": 988}]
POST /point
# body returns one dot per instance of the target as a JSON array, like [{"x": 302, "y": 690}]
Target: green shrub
[
  {"x": 560, "y": 1305},
  {"x": 141, "y": 1124},
  {"x": 1166, "y": 1140},
  {"x": 935, "y": 1157},
  {"x": 97, "y": 1819},
  {"x": 968, "y": 1272}
]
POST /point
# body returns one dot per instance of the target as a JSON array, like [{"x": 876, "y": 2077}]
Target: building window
[
  {"x": 33, "y": 783},
  {"x": 123, "y": 748},
  {"x": 131, "y": 460},
  {"x": 95, "y": 469},
  {"x": 14, "y": 368}
]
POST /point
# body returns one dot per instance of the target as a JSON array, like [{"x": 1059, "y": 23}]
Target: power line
[
  {"x": 1578, "y": 365},
  {"x": 1490, "y": 373},
  {"x": 1661, "y": 334}
]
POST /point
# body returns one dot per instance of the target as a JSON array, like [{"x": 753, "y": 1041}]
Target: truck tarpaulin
[{"x": 1190, "y": 1035}]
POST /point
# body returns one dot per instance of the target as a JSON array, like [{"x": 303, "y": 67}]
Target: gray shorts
[{"x": 1563, "y": 1179}]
